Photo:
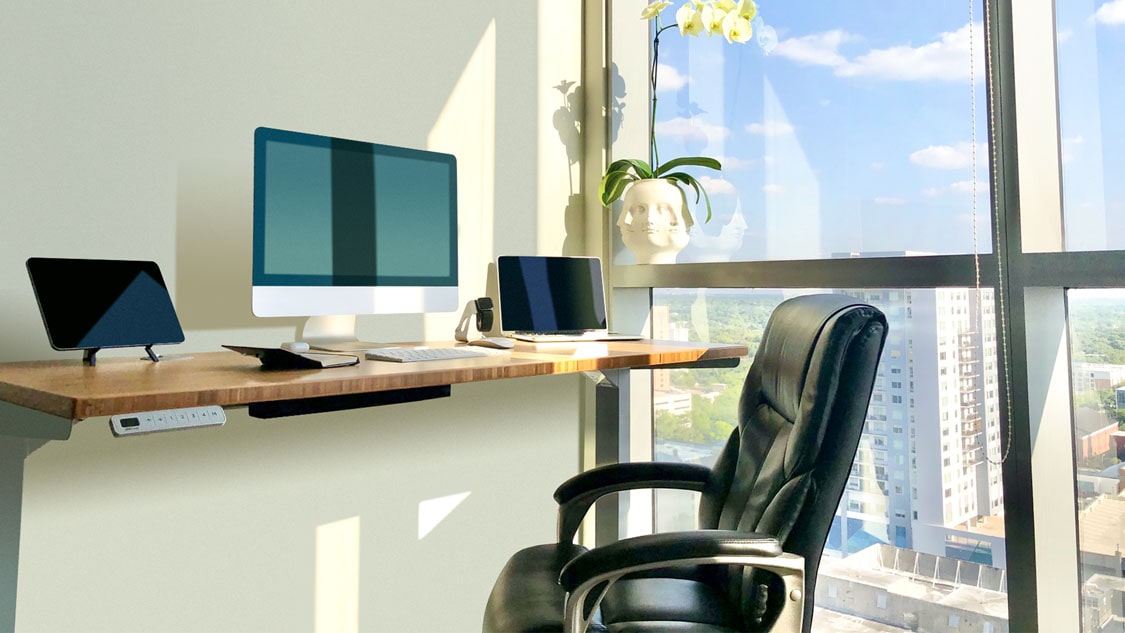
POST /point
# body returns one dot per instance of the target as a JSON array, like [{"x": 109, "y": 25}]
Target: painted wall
[{"x": 127, "y": 133}]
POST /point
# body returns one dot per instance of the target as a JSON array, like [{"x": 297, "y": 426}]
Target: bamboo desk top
[{"x": 68, "y": 389}]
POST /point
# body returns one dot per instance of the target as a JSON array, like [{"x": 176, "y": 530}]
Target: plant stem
[{"x": 653, "y": 155}]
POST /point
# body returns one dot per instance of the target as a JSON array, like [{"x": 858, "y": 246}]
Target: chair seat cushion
[
  {"x": 641, "y": 605},
  {"x": 527, "y": 596}
]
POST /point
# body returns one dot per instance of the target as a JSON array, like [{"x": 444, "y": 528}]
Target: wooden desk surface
[{"x": 69, "y": 389}]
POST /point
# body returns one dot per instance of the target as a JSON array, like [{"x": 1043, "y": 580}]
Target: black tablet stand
[{"x": 90, "y": 356}]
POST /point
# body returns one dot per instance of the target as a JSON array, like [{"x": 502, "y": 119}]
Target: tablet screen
[{"x": 95, "y": 303}]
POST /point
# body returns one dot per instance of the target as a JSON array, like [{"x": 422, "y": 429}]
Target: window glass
[
  {"x": 922, "y": 513},
  {"x": 1091, "y": 67},
  {"x": 1096, "y": 320},
  {"x": 843, "y": 128}
]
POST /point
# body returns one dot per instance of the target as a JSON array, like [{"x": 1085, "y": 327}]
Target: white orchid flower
[
  {"x": 747, "y": 9},
  {"x": 654, "y": 8},
  {"x": 689, "y": 19},
  {"x": 726, "y": 5},
  {"x": 736, "y": 28},
  {"x": 713, "y": 19}
]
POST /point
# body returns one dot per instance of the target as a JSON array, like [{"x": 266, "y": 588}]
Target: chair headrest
[{"x": 800, "y": 364}]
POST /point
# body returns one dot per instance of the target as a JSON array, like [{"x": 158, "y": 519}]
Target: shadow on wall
[
  {"x": 213, "y": 238},
  {"x": 567, "y": 120}
]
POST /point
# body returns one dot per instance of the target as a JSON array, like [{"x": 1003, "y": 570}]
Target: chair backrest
[{"x": 801, "y": 415}]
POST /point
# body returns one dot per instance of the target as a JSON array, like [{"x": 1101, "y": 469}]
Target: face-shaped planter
[{"x": 654, "y": 222}]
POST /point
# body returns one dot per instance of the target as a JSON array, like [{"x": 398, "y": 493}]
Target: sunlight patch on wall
[
  {"x": 559, "y": 226},
  {"x": 431, "y": 512},
  {"x": 466, "y": 128},
  {"x": 336, "y": 592}
]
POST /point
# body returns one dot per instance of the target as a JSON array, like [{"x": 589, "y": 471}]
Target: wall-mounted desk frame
[{"x": 41, "y": 401}]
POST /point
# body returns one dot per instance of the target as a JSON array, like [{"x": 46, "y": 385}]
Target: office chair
[{"x": 765, "y": 508}]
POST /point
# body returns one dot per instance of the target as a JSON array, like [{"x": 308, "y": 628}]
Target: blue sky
[{"x": 857, "y": 127}]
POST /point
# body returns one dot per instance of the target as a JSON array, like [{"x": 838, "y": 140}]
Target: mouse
[
  {"x": 495, "y": 342},
  {"x": 295, "y": 346}
]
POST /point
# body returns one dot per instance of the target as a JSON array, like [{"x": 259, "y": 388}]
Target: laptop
[{"x": 553, "y": 299}]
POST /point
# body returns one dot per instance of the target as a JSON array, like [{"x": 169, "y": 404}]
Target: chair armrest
[
  {"x": 599, "y": 568},
  {"x": 577, "y": 494}
]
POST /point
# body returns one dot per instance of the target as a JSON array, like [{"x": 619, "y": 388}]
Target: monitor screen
[{"x": 350, "y": 227}]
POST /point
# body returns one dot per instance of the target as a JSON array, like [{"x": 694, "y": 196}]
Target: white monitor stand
[{"x": 330, "y": 332}]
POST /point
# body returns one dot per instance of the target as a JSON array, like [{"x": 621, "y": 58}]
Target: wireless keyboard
[{"x": 415, "y": 354}]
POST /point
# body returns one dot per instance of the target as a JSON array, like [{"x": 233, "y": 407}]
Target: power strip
[{"x": 169, "y": 420}]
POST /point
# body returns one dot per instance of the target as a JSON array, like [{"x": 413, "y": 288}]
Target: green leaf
[
  {"x": 639, "y": 167},
  {"x": 613, "y": 185},
  {"x": 690, "y": 180},
  {"x": 688, "y": 161}
]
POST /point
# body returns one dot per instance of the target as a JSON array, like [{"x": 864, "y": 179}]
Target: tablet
[{"x": 90, "y": 304}]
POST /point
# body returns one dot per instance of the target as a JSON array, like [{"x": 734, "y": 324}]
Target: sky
[{"x": 865, "y": 128}]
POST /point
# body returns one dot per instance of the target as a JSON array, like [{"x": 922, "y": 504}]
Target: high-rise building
[{"x": 927, "y": 475}]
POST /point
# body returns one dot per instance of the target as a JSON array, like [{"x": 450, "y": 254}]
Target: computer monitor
[{"x": 344, "y": 227}]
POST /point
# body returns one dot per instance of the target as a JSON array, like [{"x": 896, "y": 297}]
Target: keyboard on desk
[{"x": 416, "y": 354}]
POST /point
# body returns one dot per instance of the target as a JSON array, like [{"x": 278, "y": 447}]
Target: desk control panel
[{"x": 167, "y": 420}]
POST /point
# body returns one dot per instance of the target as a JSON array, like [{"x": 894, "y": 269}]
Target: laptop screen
[{"x": 550, "y": 294}]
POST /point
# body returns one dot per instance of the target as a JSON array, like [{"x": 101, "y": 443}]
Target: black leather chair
[{"x": 765, "y": 510}]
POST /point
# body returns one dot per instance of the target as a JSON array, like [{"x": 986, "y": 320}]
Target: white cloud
[
  {"x": 1112, "y": 13},
  {"x": 890, "y": 201},
  {"x": 730, "y": 162},
  {"x": 878, "y": 166},
  {"x": 929, "y": 192},
  {"x": 946, "y": 58},
  {"x": 966, "y": 186},
  {"x": 716, "y": 186},
  {"x": 770, "y": 128},
  {"x": 818, "y": 49},
  {"x": 773, "y": 189},
  {"x": 682, "y": 127},
  {"x": 668, "y": 79},
  {"x": 1064, "y": 35},
  {"x": 950, "y": 157}
]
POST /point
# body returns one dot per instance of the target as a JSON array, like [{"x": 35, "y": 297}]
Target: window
[
  {"x": 1097, "y": 329},
  {"x": 1071, "y": 224},
  {"x": 798, "y": 185},
  {"x": 875, "y": 505}
]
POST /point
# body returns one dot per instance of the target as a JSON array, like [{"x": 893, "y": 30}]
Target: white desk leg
[
  {"x": 22, "y": 431},
  {"x": 611, "y": 446},
  {"x": 13, "y": 450}
]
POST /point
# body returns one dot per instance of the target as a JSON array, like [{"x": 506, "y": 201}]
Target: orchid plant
[{"x": 729, "y": 18}]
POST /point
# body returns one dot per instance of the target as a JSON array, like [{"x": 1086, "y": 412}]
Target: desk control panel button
[{"x": 168, "y": 420}]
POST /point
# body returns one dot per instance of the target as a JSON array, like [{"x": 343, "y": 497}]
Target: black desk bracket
[{"x": 323, "y": 404}]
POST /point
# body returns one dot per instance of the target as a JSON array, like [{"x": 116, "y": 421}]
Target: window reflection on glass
[
  {"x": 1091, "y": 65},
  {"x": 854, "y": 132},
  {"x": 919, "y": 537},
  {"x": 1096, "y": 319}
]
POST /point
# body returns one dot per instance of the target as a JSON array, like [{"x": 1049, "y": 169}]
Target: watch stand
[{"x": 477, "y": 312}]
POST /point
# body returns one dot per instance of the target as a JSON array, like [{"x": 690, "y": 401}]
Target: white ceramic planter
[{"x": 654, "y": 222}]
